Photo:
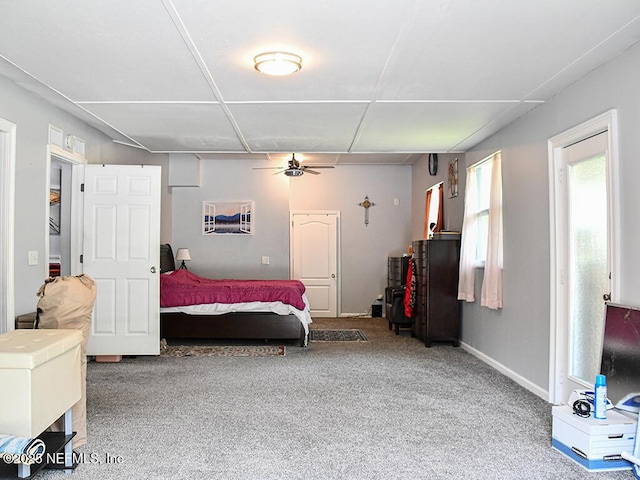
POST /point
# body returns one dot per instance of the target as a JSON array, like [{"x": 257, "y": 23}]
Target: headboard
[{"x": 167, "y": 262}]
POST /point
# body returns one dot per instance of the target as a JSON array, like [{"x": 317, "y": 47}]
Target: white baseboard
[
  {"x": 359, "y": 315},
  {"x": 520, "y": 380}
]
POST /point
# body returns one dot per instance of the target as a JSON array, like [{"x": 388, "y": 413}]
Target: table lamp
[{"x": 182, "y": 255}]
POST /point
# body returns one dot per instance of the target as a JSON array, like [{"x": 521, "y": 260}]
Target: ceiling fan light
[
  {"x": 277, "y": 63},
  {"x": 293, "y": 172}
]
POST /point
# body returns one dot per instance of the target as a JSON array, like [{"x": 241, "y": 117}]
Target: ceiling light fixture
[
  {"x": 277, "y": 63},
  {"x": 293, "y": 172}
]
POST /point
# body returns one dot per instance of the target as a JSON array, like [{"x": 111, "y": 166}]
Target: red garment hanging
[{"x": 410, "y": 290}]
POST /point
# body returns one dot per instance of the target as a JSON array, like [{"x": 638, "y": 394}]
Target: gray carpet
[{"x": 388, "y": 408}]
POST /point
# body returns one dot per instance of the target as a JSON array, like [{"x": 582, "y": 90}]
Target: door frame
[
  {"x": 335, "y": 213},
  {"x": 606, "y": 122},
  {"x": 7, "y": 223},
  {"x": 77, "y": 178}
]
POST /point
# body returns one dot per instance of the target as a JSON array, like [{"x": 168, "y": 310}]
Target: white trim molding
[
  {"x": 7, "y": 221},
  {"x": 519, "y": 379}
]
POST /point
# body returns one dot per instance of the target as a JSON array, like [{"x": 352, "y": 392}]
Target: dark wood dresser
[
  {"x": 397, "y": 271},
  {"x": 436, "y": 313}
]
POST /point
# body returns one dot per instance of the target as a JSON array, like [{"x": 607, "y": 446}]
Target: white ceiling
[{"x": 382, "y": 80}]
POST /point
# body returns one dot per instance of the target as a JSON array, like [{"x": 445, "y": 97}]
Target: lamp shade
[{"x": 183, "y": 254}]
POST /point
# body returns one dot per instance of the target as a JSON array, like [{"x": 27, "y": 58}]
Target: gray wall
[
  {"x": 453, "y": 207},
  {"x": 363, "y": 250},
  {"x": 517, "y": 337},
  {"x": 32, "y": 117},
  {"x": 234, "y": 256}
]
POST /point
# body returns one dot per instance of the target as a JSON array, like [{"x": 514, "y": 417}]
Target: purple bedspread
[{"x": 182, "y": 287}]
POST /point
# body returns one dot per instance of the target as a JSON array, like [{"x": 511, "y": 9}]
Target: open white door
[
  {"x": 314, "y": 259},
  {"x": 121, "y": 253}
]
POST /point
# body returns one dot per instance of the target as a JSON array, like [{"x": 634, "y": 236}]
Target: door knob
[
  {"x": 606, "y": 297},
  {"x": 153, "y": 269},
  {"x": 333, "y": 275}
]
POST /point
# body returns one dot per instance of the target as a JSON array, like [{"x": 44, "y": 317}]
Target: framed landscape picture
[{"x": 227, "y": 218}]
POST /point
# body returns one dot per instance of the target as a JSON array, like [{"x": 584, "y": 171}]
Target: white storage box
[
  {"x": 40, "y": 378},
  {"x": 595, "y": 444}
]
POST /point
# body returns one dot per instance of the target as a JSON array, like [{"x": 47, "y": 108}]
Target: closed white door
[
  {"x": 121, "y": 251},
  {"x": 314, "y": 259},
  {"x": 587, "y": 259},
  {"x": 583, "y": 266}
]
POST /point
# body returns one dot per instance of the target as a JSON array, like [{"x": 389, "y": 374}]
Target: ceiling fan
[{"x": 294, "y": 169}]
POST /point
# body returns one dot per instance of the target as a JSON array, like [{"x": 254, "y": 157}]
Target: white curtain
[
  {"x": 491, "y": 295},
  {"x": 468, "y": 241},
  {"x": 492, "y": 283}
]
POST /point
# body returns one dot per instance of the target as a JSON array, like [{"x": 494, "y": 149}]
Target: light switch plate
[{"x": 33, "y": 257}]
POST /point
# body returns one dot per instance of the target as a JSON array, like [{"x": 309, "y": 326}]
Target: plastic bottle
[{"x": 600, "y": 398}]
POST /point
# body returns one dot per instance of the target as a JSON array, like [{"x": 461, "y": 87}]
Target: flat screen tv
[{"x": 621, "y": 356}]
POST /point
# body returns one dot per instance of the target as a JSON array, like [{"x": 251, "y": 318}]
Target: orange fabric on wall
[
  {"x": 425, "y": 233},
  {"x": 440, "y": 220}
]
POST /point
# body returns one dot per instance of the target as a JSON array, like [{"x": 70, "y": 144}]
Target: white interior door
[
  {"x": 583, "y": 265},
  {"x": 121, "y": 253},
  {"x": 314, "y": 259}
]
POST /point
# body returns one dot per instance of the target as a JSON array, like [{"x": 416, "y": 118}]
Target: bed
[{"x": 196, "y": 307}]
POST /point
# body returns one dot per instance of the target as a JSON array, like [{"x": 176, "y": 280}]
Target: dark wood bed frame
[
  {"x": 245, "y": 326},
  {"x": 237, "y": 325}
]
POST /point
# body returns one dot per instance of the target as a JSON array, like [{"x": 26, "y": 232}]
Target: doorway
[
  {"x": 59, "y": 218},
  {"x": 314, "y": 259},
  {"x": 7, "y": 187},
  {"x": 584, "y": 227},
  {"x": 63, "y": 246}
]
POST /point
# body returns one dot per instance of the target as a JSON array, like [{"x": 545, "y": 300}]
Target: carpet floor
[{"x": 388, "y": 408}]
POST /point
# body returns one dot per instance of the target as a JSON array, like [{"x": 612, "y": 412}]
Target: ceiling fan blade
[
  {"x": 318, "y": 166},
  {"x": 312, "y": 172}
]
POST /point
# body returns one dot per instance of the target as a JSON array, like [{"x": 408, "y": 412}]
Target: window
[
  {"x": 482, "y": 232},
  {"x": 482, "y": 173},
  {"x": 433, "y": 210}
]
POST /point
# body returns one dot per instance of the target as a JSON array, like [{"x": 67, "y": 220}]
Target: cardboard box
[
  {"x": 596, "y": 445},
  {"x": 26, "y": 320}
]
